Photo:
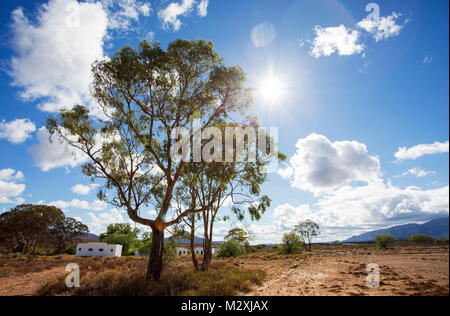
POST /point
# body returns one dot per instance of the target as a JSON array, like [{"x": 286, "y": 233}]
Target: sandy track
[{"x": 28, "y": 284}]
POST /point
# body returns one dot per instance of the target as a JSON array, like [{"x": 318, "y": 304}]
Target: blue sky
[{"x": 363, "y": 114}]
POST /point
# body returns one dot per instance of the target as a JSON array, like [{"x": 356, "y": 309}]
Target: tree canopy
[
  {"x": 147, "y": 96},
  {"x": 122, "y": 234},
  {"x": 307, "y": 230},
  {"x": 26, "y": 226}
]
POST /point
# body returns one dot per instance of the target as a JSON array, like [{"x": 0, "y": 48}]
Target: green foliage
[
  {"x": 122, "y": 234},
  {"x": 382, "y": 240},
  {"x": 291, "y": 243},
  {"x": 239, "y": 235},
  {"x": 307, "y": 230},
  {"x": 170, "y": 249},
  {"x": 231, "y": 248},
  {"x": 26, "y": 227},
  {"x": 145, "y": 244},
  {"x": 421, "y": 239},
  {"x": 336, "y": 243}
]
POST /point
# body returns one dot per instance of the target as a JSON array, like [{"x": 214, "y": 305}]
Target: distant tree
[
  {"x": 27, "y": 226},
  {"x": 64, "y": 231},
  {"x": 307, "y": 230},
  {"x": 239, "y": 235},
  {"x": 145, "y": 244},
  {"x": 382, "y": 240},
  {"x": 421, "y": 239},
  {"x": 291, "y": 243},
  {"x": 122, "y": 234},
  {"x": 231, "y": 248}
]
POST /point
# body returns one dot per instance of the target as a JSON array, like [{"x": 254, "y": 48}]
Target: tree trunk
[
  {"x": 194, "y": 258},
  {"x": 155, "y": 262},
  {"x": 207, "y": 254}
]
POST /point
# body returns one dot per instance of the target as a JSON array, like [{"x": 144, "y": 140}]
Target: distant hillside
[
  {"x": 197, "y": 240},
  {"x": 437, "y": 228},
  {"x": 91, "y": 236}
]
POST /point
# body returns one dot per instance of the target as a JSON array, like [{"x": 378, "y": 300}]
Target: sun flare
[{"x": 272, "y": 89}]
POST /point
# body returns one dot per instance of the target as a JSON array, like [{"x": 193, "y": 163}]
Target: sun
[{"x": 271, "y": 89}]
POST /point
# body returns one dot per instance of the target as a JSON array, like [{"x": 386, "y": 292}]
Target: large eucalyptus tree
[{"x": 146, "y": 95}]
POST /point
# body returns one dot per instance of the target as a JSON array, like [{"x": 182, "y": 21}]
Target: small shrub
[
  {"x": 291, "y": 244},
  {"x": 421, "y": 239},
  {"x": 383, "y": 240},
  {"x": 441, "y": 241},
  {"x": 336, "y": 243},
  {"x": 231, "y": 248}
]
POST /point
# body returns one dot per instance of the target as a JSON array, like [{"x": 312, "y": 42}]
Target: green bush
[
  {"x": 421, "y": 239},
  {"x": 336, "y": 243},
  {"x": 383, "y": 240},
  {"x": 441, "y": 241},
  {"x": 231, "y": 248},
  {"x": 291, "y": 244}
]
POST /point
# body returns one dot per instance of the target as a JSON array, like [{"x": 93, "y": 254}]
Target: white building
[
  {"x": 182, "y": 251},
  {"x": 94, "y": 249}
]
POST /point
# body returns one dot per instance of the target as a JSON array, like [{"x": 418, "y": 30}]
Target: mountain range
[
  {"x": 197, "y": 240},
  {"x": 437, "y": 228}
]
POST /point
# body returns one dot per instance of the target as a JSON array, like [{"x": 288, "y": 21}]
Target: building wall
[
  {"x": 98, "y": 250},
  {"x": 182, "y": 251}
]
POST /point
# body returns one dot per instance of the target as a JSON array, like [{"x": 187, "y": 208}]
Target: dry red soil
[
  {"x": 329, "y": 271},
  {"x": 28, "y": 284},
  {"x": 341, "y": 271}
]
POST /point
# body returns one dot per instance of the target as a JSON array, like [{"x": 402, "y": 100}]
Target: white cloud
[
  {"x": 418, "y": 172},
  {"x": 320, "y": 166},
  {"x": 51, "y": 152},
  {"x": 354, "y": 210},
  {"x": 17, "y": 131},
  {"x": 123, "y": 13},
  {"x": 382, "y": 27},
  {"x": 202, "y": 8},
  {"x": 99, "y": 222},
  {"x": 96, "y": 205},
  {"x": 170, "y": 15},
  {"x": 338, "y": 40},
  {"x": 54, "y": 54},
  {"x": 11, "y": 175},
  {"x": 381, "y": 204},
  {"x": 9, "y": 189},
  {"x": 345, "y": 41},
  {"x": 418, "y": 151},
  {"x": 55, "y": 50},
  {"x": 49, "y": 155},
  {"x": 83, "y": 189}
]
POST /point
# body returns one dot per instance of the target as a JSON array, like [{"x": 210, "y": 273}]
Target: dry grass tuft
[{"x": 129, "y": 280}]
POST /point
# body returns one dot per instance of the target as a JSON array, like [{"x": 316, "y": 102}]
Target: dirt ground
[
  {"x": 404, "y": 270},
  {"x": 341, "y": 271},
  {"x": 29, "y": 283}
]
